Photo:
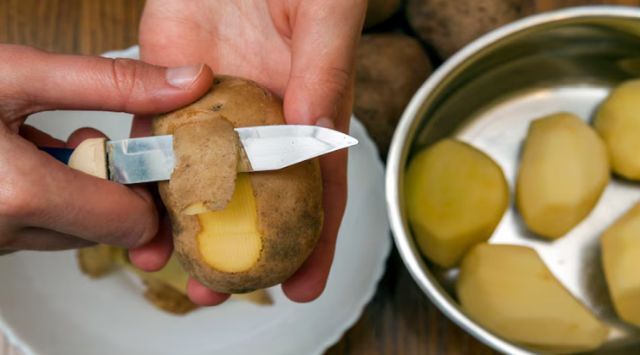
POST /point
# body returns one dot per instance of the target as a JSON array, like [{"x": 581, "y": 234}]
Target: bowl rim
[{"x": 406, "y": 130}]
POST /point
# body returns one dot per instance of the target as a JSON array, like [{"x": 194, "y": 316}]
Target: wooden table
[{"x": 399, "y": 319}]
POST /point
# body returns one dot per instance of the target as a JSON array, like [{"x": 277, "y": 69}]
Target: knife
[{"x": 148, "y": 159}]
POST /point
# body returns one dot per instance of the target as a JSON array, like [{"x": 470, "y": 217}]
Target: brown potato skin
[
  {"x": 449, "y": 25},
  {"x": 390, "y": 68},
  {"x": 288, "y": 201},
  {"x": 198, "y": 147},
  {"x": 379, "y": 11}
]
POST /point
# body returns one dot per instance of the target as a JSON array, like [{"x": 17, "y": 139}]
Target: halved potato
[
  {"x": 273, "y": 219},
  {"x": 621, "y": 262},
  {"x": 563, "y": 172},
  {"x": 455, "y": 197}
]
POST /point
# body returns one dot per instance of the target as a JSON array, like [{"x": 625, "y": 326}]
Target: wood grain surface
[{"x": 400, "y": 319}]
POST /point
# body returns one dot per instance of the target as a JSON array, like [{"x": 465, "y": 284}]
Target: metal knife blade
[{"x": 148, "y": 159}]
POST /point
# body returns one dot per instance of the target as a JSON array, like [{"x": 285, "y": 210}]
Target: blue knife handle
[{"x": 61, "y": 154}]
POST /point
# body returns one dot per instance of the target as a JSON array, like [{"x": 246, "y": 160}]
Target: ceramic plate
[{"x": 48, "y": 307}]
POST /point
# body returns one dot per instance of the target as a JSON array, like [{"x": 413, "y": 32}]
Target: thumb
[{"x": 35, "y": 80}]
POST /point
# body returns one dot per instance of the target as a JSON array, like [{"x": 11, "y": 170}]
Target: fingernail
[
  {"x": 325, "y": 122},
  {"x": 183, "y": 77}
]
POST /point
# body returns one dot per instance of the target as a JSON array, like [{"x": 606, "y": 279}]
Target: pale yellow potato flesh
[
  {"x": 563, "y": 172},
  {"x": 618, "y": 123},
  {"x": 621, "y": 261},
  {"x": 509, "y": 290},
  {"x": 455, "y": 197},
  {"x": 229, "y": 240}
]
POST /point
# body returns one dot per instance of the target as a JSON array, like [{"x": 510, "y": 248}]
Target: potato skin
[
  {"x": 379, "y": 11},
  {"x": 450, "y": 24},
  {"x": 197, "y": 147},
  {"x": 288, "y": 201},
  {"x": 389, "y": 70}
]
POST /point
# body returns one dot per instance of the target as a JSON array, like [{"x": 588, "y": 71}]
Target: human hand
[
  {"x": 45, "y": 205},
  {"x": 301, "y": 50}
]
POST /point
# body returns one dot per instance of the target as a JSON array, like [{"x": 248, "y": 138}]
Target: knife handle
[{"x": 89, "y": 157}]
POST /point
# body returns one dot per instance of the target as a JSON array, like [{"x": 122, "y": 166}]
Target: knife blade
[{"x": 149, "y": 159}]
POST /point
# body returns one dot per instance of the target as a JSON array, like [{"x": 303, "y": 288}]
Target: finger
[
  {"x": 39, "y": 138},
  {"x": 320, "y": 91},
  {"x": 324, "y": 38},
  {"x": 82, "y": 82},
  {"x": 36, "y": 190},
  {"x": 203, "y": 296},
  {"x": 155, "y": 254},
  {"x": 310, "y": 280},
  {"x": 42, "y": 239}
]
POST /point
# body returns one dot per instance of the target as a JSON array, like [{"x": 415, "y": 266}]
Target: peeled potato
[
  {"x": 618, "y": 123},
  {"x": 563, "y": 172},
  {"x": 510, "y": 291},
  {"x": 621, "y": 262},
  {"x": 251, "y": 234},
  {"x": 455, "y": 197}
]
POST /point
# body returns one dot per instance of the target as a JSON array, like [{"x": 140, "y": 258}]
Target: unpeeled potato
[
  {"x": 455, "y": 196},
  {"x": 385, "y": 83},
  {"x": 449, "y": 25},
  {"x": 509, "y": 290},
  {"x": 618, "y": 123},
  {"x": 380, "y": 10},
  {"x": 621, "y": 263},
  {"x": 273, "y": 219},
  {"x": 563, "y": 172}
]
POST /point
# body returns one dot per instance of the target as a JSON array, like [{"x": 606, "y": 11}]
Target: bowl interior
[
  {"x": 584, "y": 51},
  {"x": 487, "y": 95}
]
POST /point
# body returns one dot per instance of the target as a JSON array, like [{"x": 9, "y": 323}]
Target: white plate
[{"x": 48, "y": 307}]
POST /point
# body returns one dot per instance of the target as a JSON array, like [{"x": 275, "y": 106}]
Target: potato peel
[{"x": 206, "y": 164}]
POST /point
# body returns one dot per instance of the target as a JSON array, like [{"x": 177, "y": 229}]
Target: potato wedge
[
  {"x": 509, "y": 290},
  {"x": 618, "y": 123}
]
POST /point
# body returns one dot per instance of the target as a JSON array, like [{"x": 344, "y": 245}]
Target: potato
[
  {"x": 450, "y": 24},
  {"x": 165, "y": 289},
  {"x": 389, "y": 70},
  {"x": 455, "y": 197},
  {"x": 270, "y": 226},
  {"x": 618, "y": 123},
  {"x": 379, "y": 11},
  {"x": 195, "y": 185},
  {"x": 96, "y": 261},
  {"x": 621, "y": 262},
  {"x": 563, "y": 172},
  {"x": 510, "y": 291}
]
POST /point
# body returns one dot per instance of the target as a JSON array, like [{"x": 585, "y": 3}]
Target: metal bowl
[{"x": 487, "y": 94}]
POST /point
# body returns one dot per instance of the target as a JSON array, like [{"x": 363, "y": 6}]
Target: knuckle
[
  {"x": 124, "y": 76},
  {"x": 331, "y": 81}
]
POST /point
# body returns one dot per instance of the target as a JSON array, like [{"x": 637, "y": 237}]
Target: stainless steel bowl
[{"x": 487, "y": 94}]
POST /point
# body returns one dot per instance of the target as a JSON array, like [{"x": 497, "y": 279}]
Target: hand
[
  {"x": 300, "y": 49},
  {"x": 45, "y": 205}
]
